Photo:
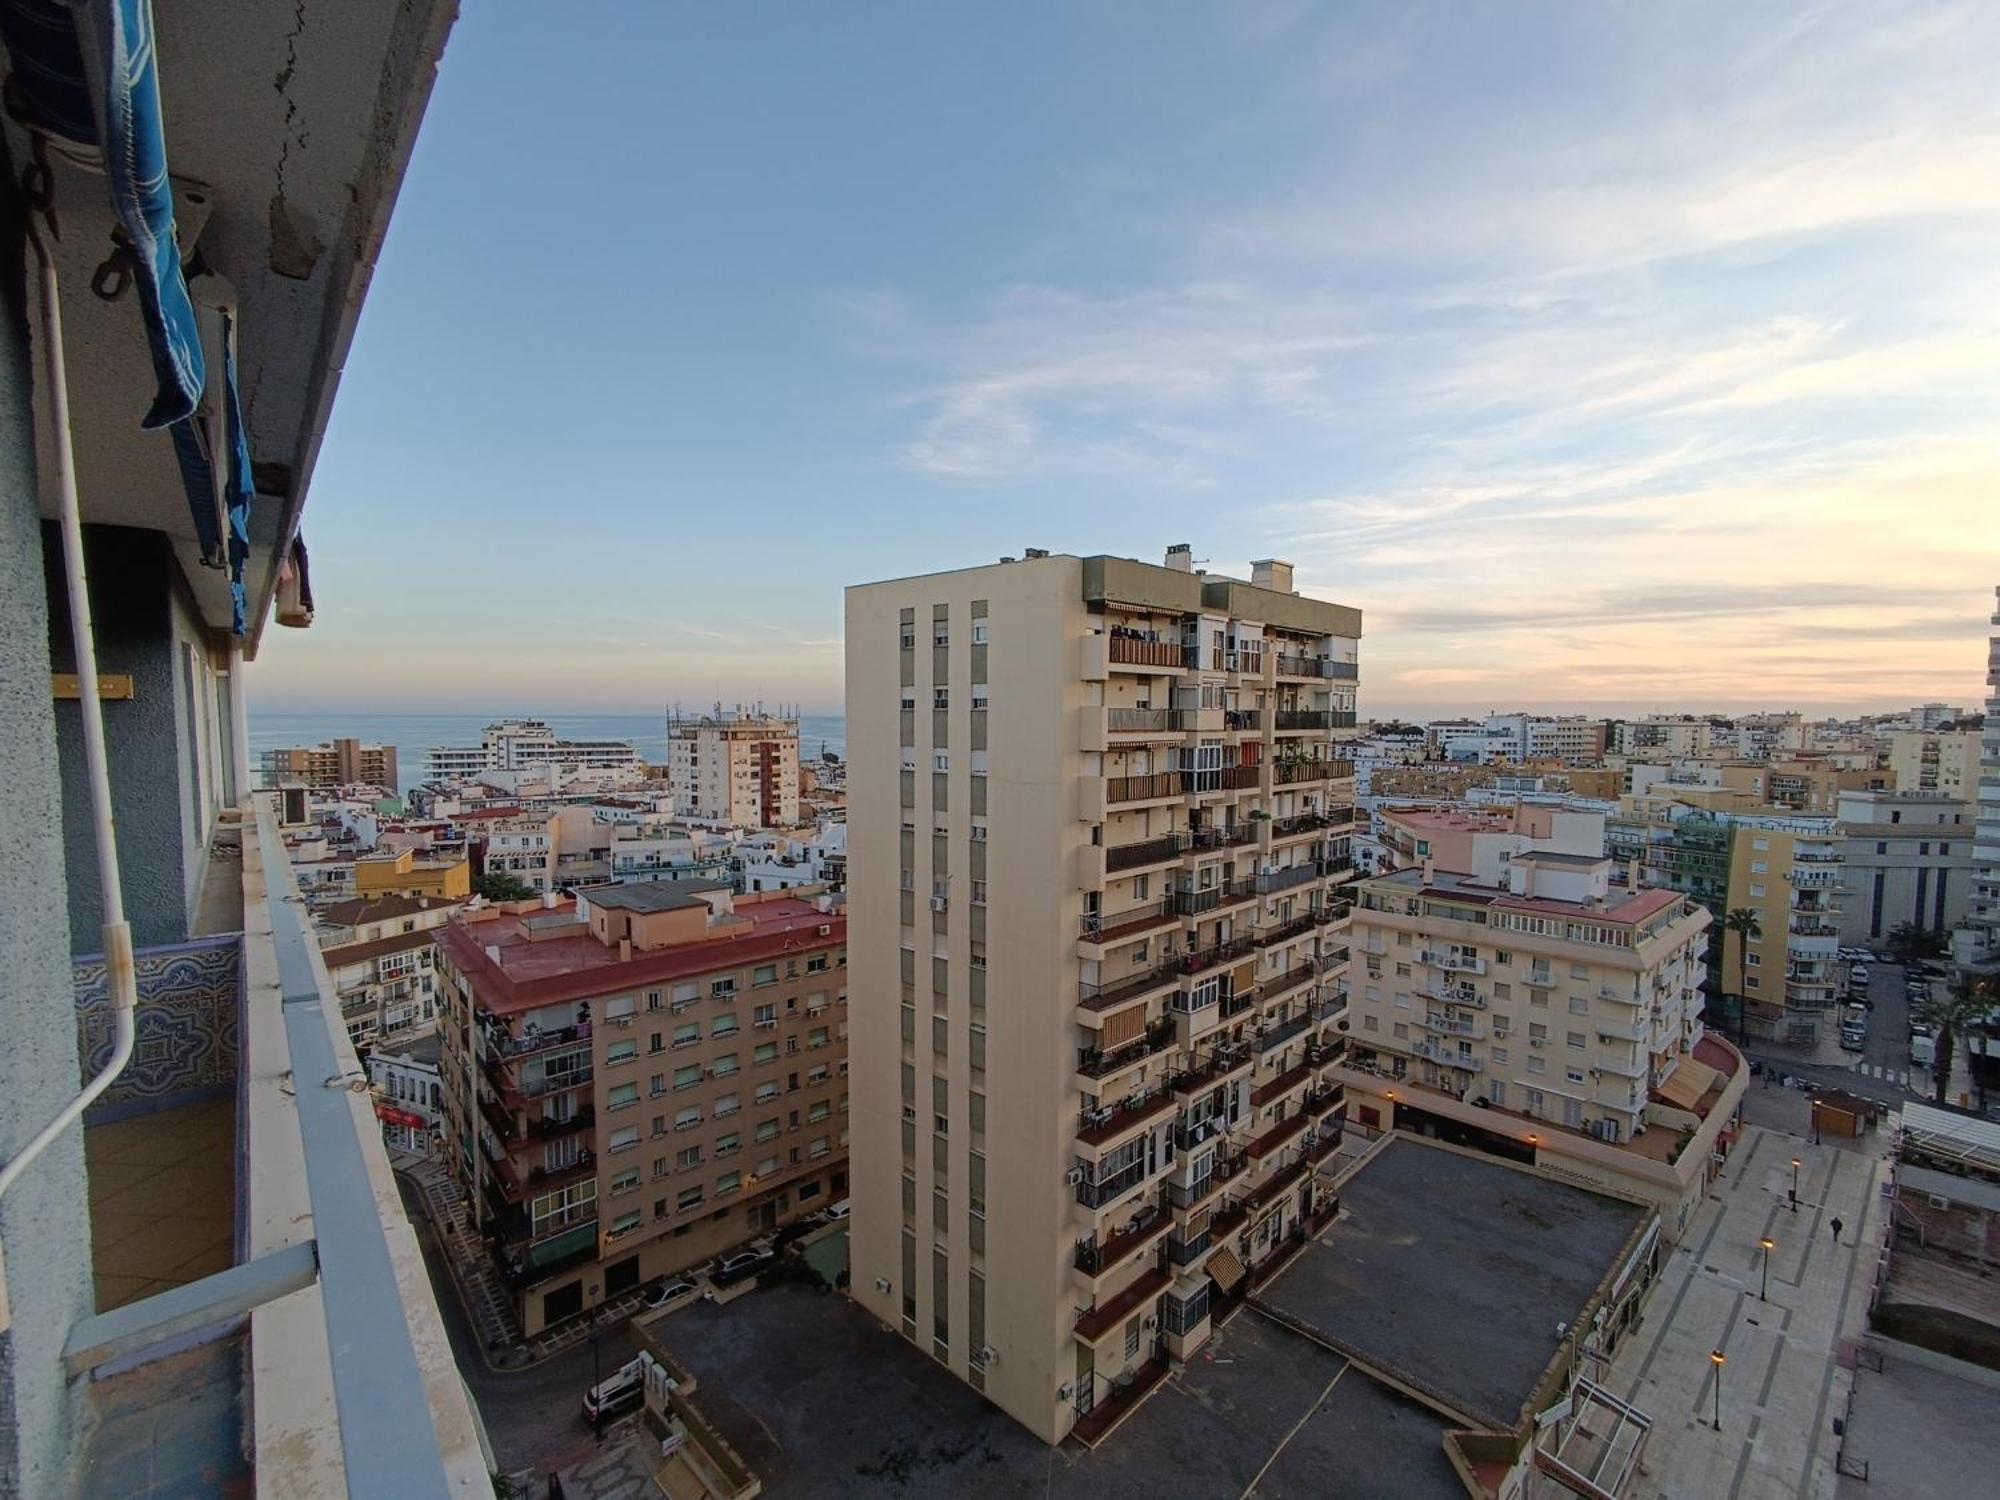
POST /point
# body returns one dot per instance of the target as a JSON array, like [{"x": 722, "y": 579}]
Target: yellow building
[
  {"x": 403, "y": 874},
  {"x": 1787, "y": 871}
]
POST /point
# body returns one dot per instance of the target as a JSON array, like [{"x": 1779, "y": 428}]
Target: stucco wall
[
  {"x": 43, "y": 1220},
  {"x": 142, "y": 624}
]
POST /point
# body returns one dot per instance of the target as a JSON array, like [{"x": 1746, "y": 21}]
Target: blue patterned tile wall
[{"x": 190, "y": 1017}]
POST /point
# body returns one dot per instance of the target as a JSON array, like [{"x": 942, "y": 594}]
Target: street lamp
[
  {"x": 1767, "y": 1245},
  {"x": 1718, "y": 1359},
  {"x": 1796, "y": 1164}
]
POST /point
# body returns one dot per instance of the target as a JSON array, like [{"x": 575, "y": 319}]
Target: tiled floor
[
  {"x": 169, "y": 1430},
  {"x": 162, "y": 1199}
]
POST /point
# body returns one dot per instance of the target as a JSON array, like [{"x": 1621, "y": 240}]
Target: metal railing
[
  {"x": 1140, "y": 788},
  {"x": 1145, "y": 852},
  {"x": 1135, "y": 651}
]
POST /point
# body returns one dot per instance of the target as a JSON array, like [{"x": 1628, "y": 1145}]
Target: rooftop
[
  {"x": 1623, "y": 906},
  {"x": 397, "y": 942},
  {"x": 821, "y": 1401},
  {"x": 523, "y": 973},
  {"x": 1432, "y": 1243},
  {"x": 654, "y": 895},
  {"x": 360, "y": 910}
]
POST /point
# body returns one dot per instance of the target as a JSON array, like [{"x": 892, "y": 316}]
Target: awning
[
  {"x": 1224, "y": 1269},
  {"x": 1684, "y": 1088}
]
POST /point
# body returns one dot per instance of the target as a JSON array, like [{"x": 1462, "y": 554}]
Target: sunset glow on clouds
[{"x": 1602, "y": 357}]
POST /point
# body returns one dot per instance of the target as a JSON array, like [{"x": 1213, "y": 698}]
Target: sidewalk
[{"x": 1789, "y": 1360}]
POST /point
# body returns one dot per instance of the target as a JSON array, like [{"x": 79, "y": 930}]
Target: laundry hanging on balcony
[{"x": 57, "y": 49}]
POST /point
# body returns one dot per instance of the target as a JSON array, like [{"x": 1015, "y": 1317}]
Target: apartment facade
[
  {"x": 387, "y": 986},
  {"x": 1098, "y": 821},
  {"x": 1977, "y": 944},
  {"x": 1905, "y": 857},
  {"x": 1789, "y": 872},
  {"x": 401, "y": 873},
  {"x": 1537, "y": 1008},
  {"x": 524, "y": 744},
  {"x": 641, "y": 1079},
  {"x": 735, "y": 768},
  {"x": 336, "y": 763},
  {"x": 1936, "y": 760}
]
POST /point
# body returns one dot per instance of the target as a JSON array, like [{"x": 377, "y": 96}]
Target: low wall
[{"x": 189, "y": 1026}]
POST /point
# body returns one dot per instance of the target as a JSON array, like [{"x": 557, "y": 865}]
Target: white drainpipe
[{"x": 121, "y": 978}]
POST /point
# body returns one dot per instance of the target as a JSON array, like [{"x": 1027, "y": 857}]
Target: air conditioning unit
[
  {"x": 987, "y": 1356},
  {"x": 826, "y": 929},
  {"x": 938, "y": 903},
  {"x": 1538, "y": 1041},
  {"x": 1074, "y": 1177}
]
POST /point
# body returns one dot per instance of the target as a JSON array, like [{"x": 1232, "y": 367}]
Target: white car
[
  {"x": 836, "y": 1212},
  {"x": 671, "y": 1293},
  {"x": 743, "y": 1263},
  {"x": 624, "y": 1389}
]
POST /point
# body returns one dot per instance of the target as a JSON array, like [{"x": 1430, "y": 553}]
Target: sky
[{"x": 1606, "y": 357}]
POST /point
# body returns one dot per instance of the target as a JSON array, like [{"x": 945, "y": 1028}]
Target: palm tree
[
  {"x": 1969, "y": 1003},
  {"x": 1743, "y": 922}
]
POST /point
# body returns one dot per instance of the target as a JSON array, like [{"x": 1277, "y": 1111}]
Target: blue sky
[{"x": 1603, "y": 355}]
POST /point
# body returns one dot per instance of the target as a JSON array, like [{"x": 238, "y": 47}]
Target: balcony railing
[
  {"x": 1136, "y": 651},
  {"x": 1283, "y": 1032},
  {"x": 1103, "y": 1124},
  {"x": 1094, "y": 1062},
  {"x": 1292, "y": 773},
  {"x": 1303, "y": 718},
  {"x": 1101, "y": 927},
  {"x": 1446, "y": 1057},
  {"x": 1289, "y": 878},
  {"x": 1141, "y": 788},
  {"x": 543, "y": 1128},
  {"x": 504, "y": 1046},
  {"x": 1145, "y": 852},
  {"x": 1097, "y": 1192},
  {"x": 1285, "y": 931},
  {"x": 1103, "y": 997},
  {"x": 1212, "y": 837},
  {"x": 1200, "y": 903},
  {"x": 1222, "y": 1062},
  {"x": 1144, "y": 721},
  {"x": 1240, "y": 719},
  {"x": 1221, "y": 953},
  {"x": 1095, "y": 1257},
  {"x": 1241, "y": 778}
]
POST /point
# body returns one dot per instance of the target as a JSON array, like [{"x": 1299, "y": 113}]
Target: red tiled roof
[
  {"x": 529, "y": 975},
  {"x": 401, "y": 942}
]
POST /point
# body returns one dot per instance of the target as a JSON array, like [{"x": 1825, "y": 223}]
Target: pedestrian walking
[{"x": 1835, "y": 1227}]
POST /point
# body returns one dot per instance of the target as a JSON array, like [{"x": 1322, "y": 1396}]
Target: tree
[
  {"x": 1970, "y": 1003},
  {"x": 1908, "y": 942},
  {"x": 1743, "y": 922},
  {"x": 498, "y": 885}
]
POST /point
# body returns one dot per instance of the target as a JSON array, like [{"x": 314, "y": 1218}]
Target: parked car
[
  {"x": 618, "y": 1392},
  {"x": 744, "y": 1263},
  {"x": 1852, "y": 1040},
  {"x": 670, "y": 1292},
  {"x": 837, "y": 1212},
  {"x": 1859, "y": 974}
]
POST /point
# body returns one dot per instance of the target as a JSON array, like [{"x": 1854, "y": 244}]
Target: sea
[{"x": 413, "y": 734}]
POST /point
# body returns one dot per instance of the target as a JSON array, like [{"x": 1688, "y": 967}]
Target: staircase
[{"x": 486, "y": 1299}]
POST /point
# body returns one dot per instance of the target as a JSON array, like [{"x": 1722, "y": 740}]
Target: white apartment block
[
  {"x": 1978, "y": 942},
  {"x": 1661, "y": 736},
  {"x": 1098, "y": 816},
  {"x": 517, "y": 745},
  {"x": 739, "y": 769},
  {"x": 1945, "y": 761}
]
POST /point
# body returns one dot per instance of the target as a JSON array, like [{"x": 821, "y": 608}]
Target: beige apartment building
[
  {"x": 640, "y": 1079},
  {"x": 336, "y": 763},
  {"x": 1789, "y": 872},
  {"x": 1509, "y": 993},
  {"x": 1098, "y": 822},
  {"x": 735, "y": 768},
  {"x": 1944, "y": 761}
]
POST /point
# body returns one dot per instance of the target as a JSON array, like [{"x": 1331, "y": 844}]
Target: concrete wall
[
  {"x": 163, "y": 744},
  {"x": 44, "y": 1222}
]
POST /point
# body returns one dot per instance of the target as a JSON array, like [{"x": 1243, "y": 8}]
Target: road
[
  {"x": 1882, "y": 1071},
  {"x": 533, "y": 1417}
]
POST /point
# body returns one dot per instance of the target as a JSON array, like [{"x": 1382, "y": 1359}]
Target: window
[
  {"x": 723, "y": 989},
  {"x": 765, "y": 1017},
  {"x": 1574, "y": 1075},
  {"x": 1576, "y": 1039},
  {"x": 625, "y": 1223},
  {"x": 1756, "y": 887},
  {"x": 763, "y": 974},
  {"x": 767, "y": 1130},
  {"x": 689, "y": 1198},
  {"x": 624, "y": 1139},
  {"x": 1500, "y": 1057},
  {"x": 688, "y": 1077},
  {"x": 728, "y": 1183},
  {"x": 622, "y": 1096},
  {"x": 1760, "y": 867},
  {"x": 940, "y": 698},
  {"x": 1537, "y": 1031},
  {"x": 979, "y": 632},
  {"x": 767, "y": 1166},
  {"x": 658, "y": 1042},
  {"x": 819, "y": 1111},
  {"x": 766, "y": 1092},
  {"x": 1579, "y": 1005},
  {"x": 726, "y": 1145},
  {"x": 724, "y": 1066},
  {"x": 724, "y": 1026},
  {"x": 687, "y": 1156},
  {"x": 688, "y": 1118},
  {"x": 1537, "y": 1065},
  {"x": 620, "y": 1052},
  {"x": 766, "y": 1052},
  {"x": 816, "y": 964},
  {"x": 688, "y": 1034},
  {"x": 625, "y": 1181},
  {"x": 1370, "y": 1023},
  {"x": 817, "y": 1037}
]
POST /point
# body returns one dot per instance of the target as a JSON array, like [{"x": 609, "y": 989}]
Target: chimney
[
  {"x": 1429, "y": 870},
  {"x": 624, "y": 950},
  {"x": 1180, "y": 557},
  {"x": 548, "y": 900},
  {"x": 1273, "y": 575},
  {"x": 1632, "y": 872},
  {"x": 493, "y": 954}
]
